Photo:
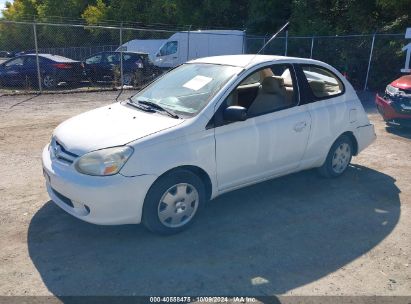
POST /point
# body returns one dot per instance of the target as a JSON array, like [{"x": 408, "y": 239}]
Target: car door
[
  {"x": 268, "y": 143},
  {"x": 323, "y": 95},
  {"x": 13, "y": 71},
  {"x": 111, "y": 62},
  {"x": 30, "y": 68},
  {"x": 93, "y": 66}
]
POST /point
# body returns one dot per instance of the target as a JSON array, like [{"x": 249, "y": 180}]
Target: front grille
[
  {"x": 61, "y": 153},
  {"x": 64, "y": 199}
]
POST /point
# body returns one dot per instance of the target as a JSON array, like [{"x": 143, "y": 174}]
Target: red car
[{"x": 395, "y": 104}]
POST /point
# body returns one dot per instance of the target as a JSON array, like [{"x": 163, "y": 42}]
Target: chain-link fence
[
  {"x": 49, "y": 57},
  {"x": 368, "y": 61}
]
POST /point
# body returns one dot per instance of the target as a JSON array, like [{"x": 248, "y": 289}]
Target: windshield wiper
[
  {"x": 158, "y": 107},
  {"x": 138, "y": 106}
]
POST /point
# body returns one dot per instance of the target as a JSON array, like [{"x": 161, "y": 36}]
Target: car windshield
[{"x": 187, "y": 89}]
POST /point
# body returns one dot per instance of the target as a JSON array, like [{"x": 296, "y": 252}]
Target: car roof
[
  {"x": 139, "y": 53},
  {"x": 56, "y": 58},
  {"x": 249, "y": 60},
  {"x": 125, "y": 52}
]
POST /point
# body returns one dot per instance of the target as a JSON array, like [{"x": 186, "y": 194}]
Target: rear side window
[
  {"x": 95, "y": 59},
  {"x": 323, "y": 83},
  {"x": 15, "y": 62},
  {"x": 113, "y": 57}
]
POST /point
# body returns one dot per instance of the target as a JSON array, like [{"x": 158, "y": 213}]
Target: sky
[{"x": 2, "y": 3}]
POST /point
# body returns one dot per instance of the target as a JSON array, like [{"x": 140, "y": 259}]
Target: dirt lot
[{"x": 296, "y": 235}]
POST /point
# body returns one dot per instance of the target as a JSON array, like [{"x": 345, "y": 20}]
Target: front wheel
[
  {"x": 338, "y": 158},
  {"x": 173, "y": 202},
  {"x": 128, "y": 79}
]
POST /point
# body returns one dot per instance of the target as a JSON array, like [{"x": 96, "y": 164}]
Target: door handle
[
  {"x": 300, "y": 126},
  {"x": 174, "y": 57}
]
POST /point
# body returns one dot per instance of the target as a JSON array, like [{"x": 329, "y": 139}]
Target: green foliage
[{"x": 258, "y": 17}]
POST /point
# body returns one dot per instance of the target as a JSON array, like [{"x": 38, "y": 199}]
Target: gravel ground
[{"x": 295, "y": 235}]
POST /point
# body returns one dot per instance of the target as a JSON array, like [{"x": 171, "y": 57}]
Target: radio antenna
[
  {"x": 273, "y": 36},
  {"x": 269, "y": 40}
]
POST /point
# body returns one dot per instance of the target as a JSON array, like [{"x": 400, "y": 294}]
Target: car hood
[
  {"x": 403, "y": 82},
  {"x": 110, "y": 126}
]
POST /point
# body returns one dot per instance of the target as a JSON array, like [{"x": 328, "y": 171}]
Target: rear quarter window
[{"x": 322, "y": 82}]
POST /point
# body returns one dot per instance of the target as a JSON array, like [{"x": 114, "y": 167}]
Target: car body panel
[
  {"x": 99, "y": 194},
  {"x": 109, "y": 126}
]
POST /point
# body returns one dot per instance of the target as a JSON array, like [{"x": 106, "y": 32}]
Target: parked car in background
[
  {"x": 149, "y": 46},
  {"x": 105, "y": 66},
  {"x": 209, "y": 126},
  {"x": 395, "y": 104},
  {"x": 22, "y": 70}
]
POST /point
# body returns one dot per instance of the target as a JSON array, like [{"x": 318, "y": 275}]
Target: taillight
[{"x": 62, "y": 65}]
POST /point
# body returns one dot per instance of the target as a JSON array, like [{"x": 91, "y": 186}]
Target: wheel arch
[
  {"x": 201, "y": 173},
  {"x": 353, "y": 140}
]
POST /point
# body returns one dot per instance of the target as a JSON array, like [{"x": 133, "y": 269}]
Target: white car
[{"x": 210, "y": 126}]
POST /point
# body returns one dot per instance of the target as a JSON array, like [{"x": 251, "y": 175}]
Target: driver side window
[
  {"x": 169, "y": 48},
  {"x": 267, "y": 90},
  {"x": 264, "y": 91}
]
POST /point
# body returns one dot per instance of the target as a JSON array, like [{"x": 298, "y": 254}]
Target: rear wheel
[
  {"x": 173, "y": 202},
  {"x": 49, "y": 81},
  {"x": 338, "y": 158}
]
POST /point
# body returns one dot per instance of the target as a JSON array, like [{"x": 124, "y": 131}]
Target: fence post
[
  {"x": 369, "y": 62},
  {"x": 286, "y": 43},
  {"x": 244, "y": 47},
  {"x": 37, "y": 56},
  {"x": 312, "y": 47},
  {"x": 121, "y": 55},
  {"x": 188, "y": 42}
]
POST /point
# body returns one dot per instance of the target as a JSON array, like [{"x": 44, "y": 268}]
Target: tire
[
  {"x": 49, "y": 81},
  {"x": 173, "y": 202},
  {"x": 338, "y": 158},
  {"x": 128, "y": 79}
]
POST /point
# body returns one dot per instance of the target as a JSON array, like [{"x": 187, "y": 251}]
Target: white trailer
[{"x": 184, "y": 46}]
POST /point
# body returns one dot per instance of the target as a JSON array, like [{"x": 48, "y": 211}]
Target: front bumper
[
  {"x": 389, "y": 112},
  {"x": 104, "y": 200}
]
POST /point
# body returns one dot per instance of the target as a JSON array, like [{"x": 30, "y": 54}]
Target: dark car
[
  {"x": 395, "y": 104},
  {"x": 22, "y": 70},
  {"x": 105, "y": 66}
]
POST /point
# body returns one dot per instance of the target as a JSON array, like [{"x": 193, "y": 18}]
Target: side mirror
[{"x": 235, "y": 113}]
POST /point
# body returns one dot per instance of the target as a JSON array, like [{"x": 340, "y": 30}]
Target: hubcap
[
  {"x": 341, "y": 158},
  {"x": 178, "y": 205},
  {"x": 48, "y": 81}
]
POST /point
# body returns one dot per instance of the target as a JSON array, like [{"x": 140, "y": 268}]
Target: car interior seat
[
  {"x": 318, "y": 87},
  {"x": 272, "y": 96}
]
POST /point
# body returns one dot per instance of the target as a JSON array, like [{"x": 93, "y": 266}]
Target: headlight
[
  {"x": 392, "y": 90},
  {"x": 104, "y": 162}
]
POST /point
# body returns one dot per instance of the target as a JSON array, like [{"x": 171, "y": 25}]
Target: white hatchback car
[{"x": 209, "y": 126}]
